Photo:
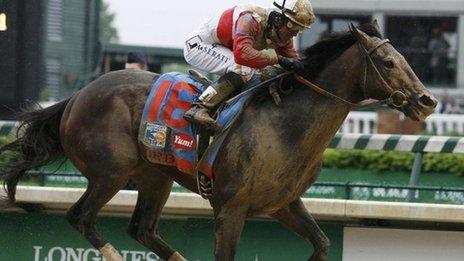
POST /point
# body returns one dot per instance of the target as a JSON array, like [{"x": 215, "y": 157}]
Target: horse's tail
[{"x": 38, "y": 143}]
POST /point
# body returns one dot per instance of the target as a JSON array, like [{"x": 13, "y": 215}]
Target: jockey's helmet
[{"x": 299, "y": 12}]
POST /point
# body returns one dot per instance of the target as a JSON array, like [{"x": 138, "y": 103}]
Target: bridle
[{"x": 396, "y": 98}]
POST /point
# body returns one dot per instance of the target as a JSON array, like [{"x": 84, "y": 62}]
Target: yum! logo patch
[{"x": 182, "y": 141}]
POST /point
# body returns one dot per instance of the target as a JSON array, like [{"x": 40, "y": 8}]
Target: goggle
[{"x": 295, "y": 27}]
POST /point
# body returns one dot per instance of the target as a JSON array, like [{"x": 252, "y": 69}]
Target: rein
[
  {"x": 277, "y": 77},
  {"x": 319, "y": 90}
]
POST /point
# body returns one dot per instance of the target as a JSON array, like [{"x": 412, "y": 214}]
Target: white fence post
[
  {"x": 367, "y": 122},
  {"x": 360, "y": 122}
]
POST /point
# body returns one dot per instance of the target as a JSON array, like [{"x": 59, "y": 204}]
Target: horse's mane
[{"x": 329, "y": 47}]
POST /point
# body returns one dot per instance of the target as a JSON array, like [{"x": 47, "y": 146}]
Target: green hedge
[{"x": 392, "y": 161}]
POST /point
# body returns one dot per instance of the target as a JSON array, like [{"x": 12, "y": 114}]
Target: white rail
[
  {"x": 445, "y": 123},
  {"x": 367, "y": 122},
  {"x": 360, "y": 122},
  {"x": 189, "y": 204}
]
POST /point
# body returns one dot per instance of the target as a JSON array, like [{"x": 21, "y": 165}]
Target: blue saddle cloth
[{"x": 168, "y": 137}]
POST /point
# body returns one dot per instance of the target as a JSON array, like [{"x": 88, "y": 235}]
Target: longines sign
[
  {"x": 60, "y": 253},
  {"x": 47, "y": 237}
]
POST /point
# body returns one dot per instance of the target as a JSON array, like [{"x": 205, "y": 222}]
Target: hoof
[
  {"x": 110, "y": 253},
  {"x": 177, "y": 257}
]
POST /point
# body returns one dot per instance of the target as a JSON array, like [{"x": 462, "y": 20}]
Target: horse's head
[{"x": 388, "y": 76}]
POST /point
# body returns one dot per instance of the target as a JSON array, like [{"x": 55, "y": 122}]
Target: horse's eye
[{"x": 389, "y": 64}]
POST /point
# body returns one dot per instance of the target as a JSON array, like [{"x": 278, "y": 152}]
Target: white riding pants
[{"x": 214, "y": 58}]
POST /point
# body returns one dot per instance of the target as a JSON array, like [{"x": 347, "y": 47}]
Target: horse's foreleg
[
  {"x": 296, "y": 217},
  {"x": 154, "y": 189},
  {"x": 229, "y": 222}
]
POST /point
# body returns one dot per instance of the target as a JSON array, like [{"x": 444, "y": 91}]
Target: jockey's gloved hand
[{"x": 290, "y": 64}]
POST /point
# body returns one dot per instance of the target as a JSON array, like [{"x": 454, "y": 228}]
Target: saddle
[{"x": 168, "y": 139}]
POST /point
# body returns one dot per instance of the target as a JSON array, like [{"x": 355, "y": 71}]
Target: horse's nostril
[{"x": 428, "y": 101}]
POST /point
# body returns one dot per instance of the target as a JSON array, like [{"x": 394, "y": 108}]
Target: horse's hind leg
[
  {"x": 296, "y": 217},
  {"x": 83, "y": 214},
  {"x": 154, "y": 189}
]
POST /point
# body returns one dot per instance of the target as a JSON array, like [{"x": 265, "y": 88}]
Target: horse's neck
[{"x": 343, "y": 77}]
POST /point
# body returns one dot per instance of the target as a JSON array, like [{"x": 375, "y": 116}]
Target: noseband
[{"x": 396, "y": 98}]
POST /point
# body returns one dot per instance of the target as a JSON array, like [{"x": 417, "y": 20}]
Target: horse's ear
[
  {"x": 361, "y": 36},
  {"x": 376, "y": 25}
]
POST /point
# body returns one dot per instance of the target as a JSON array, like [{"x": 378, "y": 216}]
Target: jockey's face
[
  {"x": 289, "y": 30},
  {"x": 286, "y": 34}
]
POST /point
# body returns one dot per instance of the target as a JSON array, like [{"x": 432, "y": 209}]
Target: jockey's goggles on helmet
[{"x": 294, "y": 27}]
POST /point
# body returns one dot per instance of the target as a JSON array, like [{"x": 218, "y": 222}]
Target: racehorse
[{"x": 270, "y": 157}]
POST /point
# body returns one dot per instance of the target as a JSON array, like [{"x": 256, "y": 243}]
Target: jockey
[{"x": 236, "y": 46}]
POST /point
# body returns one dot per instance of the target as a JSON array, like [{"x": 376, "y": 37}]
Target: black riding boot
[{"x": 217, "y": 92}]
